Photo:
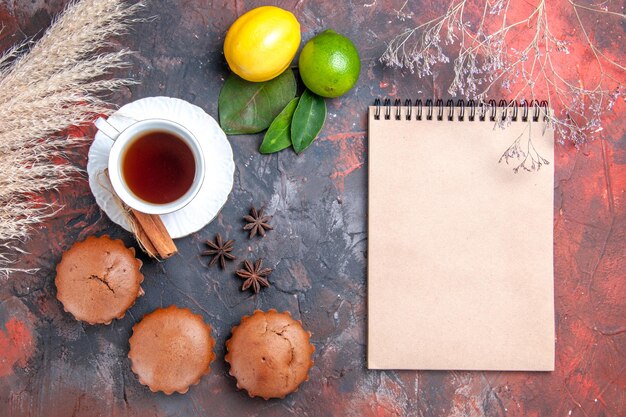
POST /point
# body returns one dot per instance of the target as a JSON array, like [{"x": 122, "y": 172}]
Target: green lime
[{"x": 329, "y": 64}]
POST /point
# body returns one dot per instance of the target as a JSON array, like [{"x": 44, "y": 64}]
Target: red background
[{"x": 51, "y": 365}]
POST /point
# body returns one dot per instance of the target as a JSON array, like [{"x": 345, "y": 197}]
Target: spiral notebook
[{"x": 460, "y": 267}]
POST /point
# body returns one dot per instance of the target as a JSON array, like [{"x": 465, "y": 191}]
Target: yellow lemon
[{"x": 261, "y": 44}]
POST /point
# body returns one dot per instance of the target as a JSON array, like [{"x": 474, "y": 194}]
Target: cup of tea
[{"x": 156, "y": 166}]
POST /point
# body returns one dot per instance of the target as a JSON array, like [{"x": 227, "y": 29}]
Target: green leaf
[
  {"x": 247, "y": 107},
  {"x": 307, "y": 120},
  {"x": 278, "y": 136}
]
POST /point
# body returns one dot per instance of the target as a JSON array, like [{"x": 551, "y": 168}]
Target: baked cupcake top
[
  {"x": 270, "y": 354},
  {"x": 171, "y": 349},
  {"x": 98, "y": 279}
]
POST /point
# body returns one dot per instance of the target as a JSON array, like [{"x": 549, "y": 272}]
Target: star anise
[
  {"x": 257, "y": 222},
  {"x": 220, "y": 251},
  {"x": 254, "y": 275}
]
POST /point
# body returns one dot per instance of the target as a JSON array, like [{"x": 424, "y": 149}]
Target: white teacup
[{"x": 123, "y": 139}]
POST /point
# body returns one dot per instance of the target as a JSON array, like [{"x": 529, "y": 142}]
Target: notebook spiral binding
[{"x": 483, "y": 108}]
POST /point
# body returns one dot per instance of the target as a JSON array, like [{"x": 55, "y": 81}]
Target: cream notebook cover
[{"x": 460, "y": 272}]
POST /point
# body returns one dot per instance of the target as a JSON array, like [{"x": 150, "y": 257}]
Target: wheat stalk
[{"x": 45, "y": 88}]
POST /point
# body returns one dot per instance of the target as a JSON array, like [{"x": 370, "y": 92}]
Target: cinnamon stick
[
  {"x": 149, "y": 230},
  {"x": 153, "y": 235},
  {"x": 142, "y": 238}
]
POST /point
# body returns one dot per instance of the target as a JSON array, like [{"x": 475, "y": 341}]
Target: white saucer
[{"x": 218, "y": 156}]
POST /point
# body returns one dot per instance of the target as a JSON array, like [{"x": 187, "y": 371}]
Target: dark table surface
[{"x": 52, "y": 365}]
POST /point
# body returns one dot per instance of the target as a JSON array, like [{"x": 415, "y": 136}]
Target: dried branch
[
  {"x": 516, "y": 55},
  {"x": 525, "y": 155}
]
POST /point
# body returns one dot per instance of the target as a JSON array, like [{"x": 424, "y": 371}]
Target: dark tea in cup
[{"x": 158, "y": 167}]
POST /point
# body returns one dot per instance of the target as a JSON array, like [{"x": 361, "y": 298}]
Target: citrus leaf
[
  {"x": 278, "y": 136},
  {"x": 307, "y": 120},
  {"x": 247, "y": 107}
]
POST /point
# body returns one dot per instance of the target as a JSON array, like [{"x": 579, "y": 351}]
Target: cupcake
[
  {"x": 269, "y": 354},
  {"x": 171, "y": 349},
  {"x": 98, "y": 279}
]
